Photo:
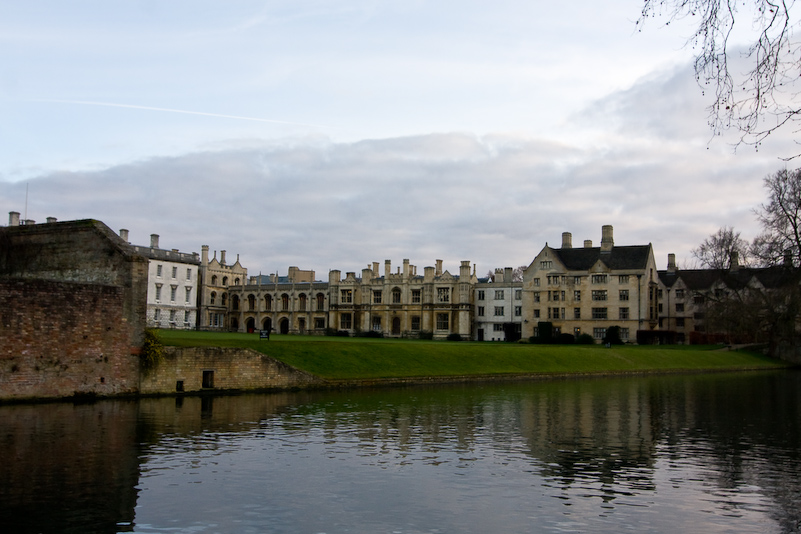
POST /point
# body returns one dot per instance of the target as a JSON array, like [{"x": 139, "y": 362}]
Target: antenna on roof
[{"x": 26, "y": 201}]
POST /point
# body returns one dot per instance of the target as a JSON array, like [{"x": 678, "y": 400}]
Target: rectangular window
[
  {"x": 347, "y": 296},
  {"x": 623, "y": 279},
  {"x": 576, "y": 313},
  {"x": 498, "y": 311},
  {"x": 698, "y": 299},
  {"x": 518, "y": 311},
  {"x": 659, "y": 294},
  {"x": 555, "y": 296},
  {"x": 415, "y": 296},
  {"x": 319, "y": 323},
  {"x": 188, "y": 295},
  {"x": 499, "y": 294},
  {"x": 376, "y": 297},
  {"x": 577, "y": 280},
  {"x": 415, "y": 323},
  {"x": 481, "y": 311},
  {"x": 158, "y": 292},
  {"x": 173, "y": 291},
  {"x": 497, "y": 327},
  {"x": 555, "y": 280},
  {"x": 624, "y": 294},
  {"x": 175, "y": 272},
  {"x": 599, "y": 279},
  {"x": 376, "y": 324},
  {"x": 480, "y": 294},
  {"x": 599, "y": 313},
  {"x": 518, "y": 294},
  {"x": 345, "y": 321},
  {"x": 189, "y": 274},
  {"x": 679, "y": 293},
  {"x": 599, "y": 294},
  {"x": 443, "y": 294},
  {"x": 624, "y": 313},
  {"x": 546, "y": 264},
  {"x": 577, "y": 296},
  {"x": 208, "y": 379},
  {"x": 576, "y": 331},
  {"x": 536, "y": 314},
  {"x": 186, "y": 316},
  {"x": 396, "y": 296},
  {"x": 442, "y": 321},
  {"x": 555, "y": 313},
  {"x": 679, "y": 322},
  {"x": 536, "y": 282},
  {"x": 536, "y": 296},
  {"x": 157, "y": 314},
  {"x": 624, "y": 334},
  {"x": 172, "y": 316},
  {"x": 158, "y": 271},
  {"x": 598, "y": 333},
  {"x": 679, "y": 307}
]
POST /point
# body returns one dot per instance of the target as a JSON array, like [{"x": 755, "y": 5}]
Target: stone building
[
  {"x": 216, "y": 277},
  {"x": 173, "y": 283},
  {"x": 498, "y": 307},
  {"x": 588, "y": 289}
]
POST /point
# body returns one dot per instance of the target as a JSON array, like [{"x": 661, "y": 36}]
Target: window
[
  {"x": 698, "y": 299},
  {"x": 679, "y": 307},
  {"x": 347, "y": 296},
  {"x": 518, "y": 311},
  {"x": 624, "y": 294},
  {"x": 546, "y": 264},
  {"x": 189, "y": 274},
  {"x": 175, "y": 272},
  {"x": 536, "y": 314},
  {"x": 576, "y": 313},
  {"x": 208, "y": 379},
  {"x": 268, "y": 302},
  {"x": 499, "y": 294},
  {"x": 376, "y": 324},
  {"x": 320, "y": 302},
  {"x": 577, "y": 295},
  {"x": 598, "y": 333},
  {"x": 235, "y": 302},
  {"x": 624, "y": 334},
  {"x": 158, "y": 292},
  {"x": 536, "y": 282},
  {"x": 536, "y": 296},
  {"x": 188, "y": 295},
  {"x": 555, "y": 280},
  {"x": 302, "y": 302},
  {"x": 236, "y": 281},
  {"x": 679, "y": 293},
  {"x": 285, "y": 302},
  {"x": 415, "y": 296},
  {"x": 480, "y": 294},
  {"x": 623, "y": 279},
  {"x": 498, "y": 311},
  {"x": 577, "y": 280},
  {"x": 172, "y": 316},
  {"x": 497, "y": 327},
  {"x": 576, "y": 331},
  {"x": 173, "y": 292},
  {"x": 345, "y": 321},
  {"x": 224, "y": 298},
  {"x": 599, "y": 294},
  {"x": 481, "y": 311},
  {"x": 679, "y": 322},
  {"x": 599, "y": 313},
  {"x": 442, "y": 321},
  {"x": 553, "y": 313},
  {"x": 659, "y": 294},
  {"x": 415, "y": 323},
  {"x": 443, "y": 294},
  {"x": 624, "y": 313},
  {"x": 157, "y": 314},
  {"x": 158, "y": 271},
  {"x": 213, "y": 297},
  {"x": 599, "y": 279},
  {"x": 214, "y": 280},
  {"x": 396, "y": 296},
  {"x": 186, "y": 316},
  {"x": 556, "y": 296},
  {"x": 319, "y": 323},
  {"x": 225, "y": 281},
  {"x": 518, "y": 294},
  {"x": 376, "y": 297},
  {"x": 660, "y": 307}
]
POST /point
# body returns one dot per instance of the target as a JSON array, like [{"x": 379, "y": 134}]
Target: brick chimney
[
  {"x": 607, "y": 241},
  {"x": 124, "y": 234},
  {"x": 567, "y": 240},
  {"x": 154, "y": 241}
]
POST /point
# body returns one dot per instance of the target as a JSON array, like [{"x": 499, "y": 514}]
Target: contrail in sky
[{"x": 149, "y": 108}]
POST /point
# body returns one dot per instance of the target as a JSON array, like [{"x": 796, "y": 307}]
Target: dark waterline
[{"x": 701, "y": 453}]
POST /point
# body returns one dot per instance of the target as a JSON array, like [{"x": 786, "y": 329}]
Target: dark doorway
[
  {"x": 250, "y": 324},
  {"x": 283, "y": 326},
  {"x": 396, "y": 326},
  {"x": 208, "y": 379},
  {"x": 481, "y": 334},
  {"x": 267, "y": 324}
]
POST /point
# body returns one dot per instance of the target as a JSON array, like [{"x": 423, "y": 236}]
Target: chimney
[
  {"x": 567, "y": 240},
  {"x": 508, "y": 273},
  {"x": 607, "y": 242},
  {"x": 588, "y": 243},
  {"x": 124, "y": 234},
  {"x": 735, "y": 261},
  {"x": 13, "y": 218},
  {"x": 387, "y": 268},
  {"x": 51, "y": 220},
  {"x": 671, "y": 267},
  {"x": 29, "y": 222},
  {"x": 222, "y": 257},
  {"x": 439, "y": 268},
  {"x": 204, "y": 254},
  {"x": 375, "y": 269},
  {"x": 154, "y": 241},
  {"x": 406, "y": 268}
]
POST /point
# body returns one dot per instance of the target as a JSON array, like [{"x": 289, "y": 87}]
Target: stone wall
[
  {"x": 58, "y": 339},
  {"x": 198, "y": 369}
]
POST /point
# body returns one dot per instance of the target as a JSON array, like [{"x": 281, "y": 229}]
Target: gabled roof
[
  {"x": 619, "y": 258},
  {"x": 703, "y": 279}
]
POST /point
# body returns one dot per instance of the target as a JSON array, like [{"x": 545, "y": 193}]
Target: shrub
[
  {"x": 454, "y": 337},
  {"x": 343, "y": 333},
  {"x": 565, "y": 339},
  {"x": 369, "y": 333},
  {"x": 612, "y": 336},
  {"x": 424, "y": 334},
  {"x": 585, "y": 339},
  {"x": 152, "y": 350}
]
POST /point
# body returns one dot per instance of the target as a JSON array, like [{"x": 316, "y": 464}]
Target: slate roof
[
  {"x": 619, "y": 258},
  {"x": 701, "y": 279}
]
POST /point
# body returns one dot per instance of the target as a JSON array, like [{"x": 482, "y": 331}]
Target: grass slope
[{"x": 362, "y": 358}]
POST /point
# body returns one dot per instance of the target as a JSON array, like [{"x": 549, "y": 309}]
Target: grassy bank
[{"x": 362, "y": 358}]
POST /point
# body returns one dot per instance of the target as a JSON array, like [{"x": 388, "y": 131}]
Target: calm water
[{"x": 711, "y": 453}]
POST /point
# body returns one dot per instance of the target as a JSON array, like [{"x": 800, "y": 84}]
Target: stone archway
[
  {"x": 267, "y": 324},
  {"x": 250, "y": 325},
  {"x": 283, "y": 326}
]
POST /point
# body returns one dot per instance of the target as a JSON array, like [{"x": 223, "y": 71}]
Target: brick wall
[
  {"x": 62, "y": 338},
  {"x": 230, "y": 369}
]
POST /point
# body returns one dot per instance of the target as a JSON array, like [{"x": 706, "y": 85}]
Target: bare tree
[
  {"x": 763, "y": 98},
  {"x": 780, "y": 217},
  {"x": 717, "y": 250},
  {"x": 517, "y": 275}
]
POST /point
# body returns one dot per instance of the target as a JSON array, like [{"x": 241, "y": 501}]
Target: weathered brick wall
[
  {"x": 62, "y": 338},
  {"x": 240, "y": 369}
]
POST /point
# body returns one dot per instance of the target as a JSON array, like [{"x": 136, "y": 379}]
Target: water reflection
[{"x": 658, "y": 454}]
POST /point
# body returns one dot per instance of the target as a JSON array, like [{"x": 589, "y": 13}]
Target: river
[{"x": 681, "y": 453}]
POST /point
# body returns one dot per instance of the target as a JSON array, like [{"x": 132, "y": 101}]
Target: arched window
[
  {"x": 235, "y": 302},
  {"x": 236, "y": 281},
  {"x": 302, "y": 302},
  {"x": 396, "y": 296},
  {"x": 214, "y": 279},
  {"x": 320, "y": 302},
  {"x": 284, "y": 302},
  {"x": 251, "y": 302},
  {"x": 268, "y": 302},
  {"x": 225, "y": 280},
  {"x": 224, "y": 298},
  {"x": 213, "y": 297}
]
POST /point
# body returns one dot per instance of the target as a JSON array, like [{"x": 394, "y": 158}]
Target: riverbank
[{"x": 389, "y": 360}]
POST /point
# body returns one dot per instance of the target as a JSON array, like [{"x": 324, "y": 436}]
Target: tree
[
  {"x": 517, "y": 275},
  {"x": 764, "y": 97},
  {"x": 717, "y": 250},
  {"x": 780, "y": 218}
]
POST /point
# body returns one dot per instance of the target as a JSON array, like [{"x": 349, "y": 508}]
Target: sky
[{"x": 329, "y": 135}]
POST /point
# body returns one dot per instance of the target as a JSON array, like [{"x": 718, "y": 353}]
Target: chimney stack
[
  {"x": 222, "y": 257},
  {"x": 154, "y": 241},
  {"x": 13, "y": 218},
  {"x": 51, "y": 220},
  {"x": 124, "y": 234},
  {"x": 439, "y": 268},
  {"x": 607, "y": 241},
  {"x": 671, "y": 266},
  {"x": 735, "y": 261},
  {"x": 588, "y": 243},
  {"x": 567, "y": 240}
]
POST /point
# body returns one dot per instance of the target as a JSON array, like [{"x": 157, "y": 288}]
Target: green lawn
[{"x": 364, "y": 358}]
